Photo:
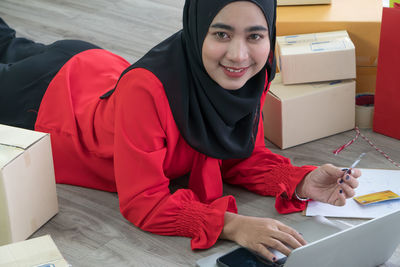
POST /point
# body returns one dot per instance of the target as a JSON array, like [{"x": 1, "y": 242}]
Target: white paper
[
  {"x": 372, "y": 180},
  {"x": 386, "y": 3}
]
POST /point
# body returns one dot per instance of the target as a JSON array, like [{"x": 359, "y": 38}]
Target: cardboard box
[
  {"x": 316, "y": 57},
  {"x": 302, "y": 2},
  {"x": 366, "y": 79},
  {"x": 37, "y": 252},
  {"x": 296, "y": 114},
  {"x": 361, "y": 19},
  {"x": 28, "y": 196}
]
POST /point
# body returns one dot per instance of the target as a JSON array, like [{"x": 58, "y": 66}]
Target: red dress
[{"x": 129, "y": 143}]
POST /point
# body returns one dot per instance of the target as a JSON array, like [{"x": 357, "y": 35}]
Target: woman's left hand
[{"x": 329, "y": 184}]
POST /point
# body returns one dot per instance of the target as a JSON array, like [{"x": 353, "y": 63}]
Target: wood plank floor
[
  {"x": 125, "y": 27},
  {"x": 89, "y": 230}
]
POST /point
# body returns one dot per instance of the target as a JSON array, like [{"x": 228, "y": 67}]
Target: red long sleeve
[
  {"x": 143, "y": 138},
  {"x": 267, "y": 173}
]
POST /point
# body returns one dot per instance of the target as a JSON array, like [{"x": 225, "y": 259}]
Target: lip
[{"x": 234, "y": 72}]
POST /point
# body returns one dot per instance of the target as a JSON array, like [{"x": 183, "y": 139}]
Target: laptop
[{"x": 370, "y": 243}]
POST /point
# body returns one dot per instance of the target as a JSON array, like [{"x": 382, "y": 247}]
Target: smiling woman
[
  {"x": 191, "y": 105},
  {"x": 237, "y": 45}
]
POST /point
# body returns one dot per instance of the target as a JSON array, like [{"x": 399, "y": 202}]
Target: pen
[{"x": 355, "y": 162}]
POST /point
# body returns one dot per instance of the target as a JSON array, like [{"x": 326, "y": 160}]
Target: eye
[
  {"x": 221, "y": 35},
  {"x": 255, "y": 37}
]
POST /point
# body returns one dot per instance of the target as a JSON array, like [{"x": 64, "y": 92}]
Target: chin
[
  {"x": 232, "y": 85},
  {"x": 235, "y": 84}
]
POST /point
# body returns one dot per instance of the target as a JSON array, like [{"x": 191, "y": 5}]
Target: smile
[{"x": 234, "y": 72}]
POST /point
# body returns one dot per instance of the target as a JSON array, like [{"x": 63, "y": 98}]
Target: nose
[{"x": 237, "y": 50}]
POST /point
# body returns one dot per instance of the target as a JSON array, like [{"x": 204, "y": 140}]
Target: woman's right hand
[{"x": 259, "y": 234}]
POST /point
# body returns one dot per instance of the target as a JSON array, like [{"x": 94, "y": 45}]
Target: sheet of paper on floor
[{"x": 372, "y": 180}]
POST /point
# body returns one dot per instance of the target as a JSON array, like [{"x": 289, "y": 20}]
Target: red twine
[{"x": 337, "y": 151}]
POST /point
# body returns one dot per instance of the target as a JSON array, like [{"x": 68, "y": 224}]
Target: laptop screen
[{"x": 368, "y": 244}]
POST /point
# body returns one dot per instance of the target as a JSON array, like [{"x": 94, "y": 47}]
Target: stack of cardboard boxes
[
  {"x": 360, "y": 18},
  {"x": 320, "y": 50}
]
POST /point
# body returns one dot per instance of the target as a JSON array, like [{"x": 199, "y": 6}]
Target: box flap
[
  {"x": 8, "y": 153},
  {"x": 32, "y": 252},
  {"x": 286, "y": 92},
  {"x": 311, "y": 37},
  {"x": 18, "y": 137},
  {"x": 314, "y": 43}
]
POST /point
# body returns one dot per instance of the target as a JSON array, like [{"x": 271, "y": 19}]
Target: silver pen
[{"x": 355, "y": 162}]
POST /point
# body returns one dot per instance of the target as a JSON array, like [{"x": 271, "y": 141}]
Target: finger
[
  {"x": 293, "y": 233},
  {"x": 278, "y": 245},
  {"x": 348, "y": 191},
  {"x": 333, "y": 170},
  {"x": 340, "y": 199},
  {"x": 265, "y": 252},
  {"x": 355, "y": 173},
  {"x": 284, "y": 242},
  {"x": 350, "y": 181}
]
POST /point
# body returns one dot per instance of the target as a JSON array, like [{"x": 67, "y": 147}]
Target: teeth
[{"x": 232, "y": 70}]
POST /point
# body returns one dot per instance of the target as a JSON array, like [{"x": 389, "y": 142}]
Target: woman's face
[{"x": 237, "y": 44}]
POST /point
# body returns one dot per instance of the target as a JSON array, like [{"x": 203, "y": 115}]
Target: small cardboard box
[
  {"x": 315, "y": 57},
  {"x": 28, "y": 196},
  {"x": 302, "y": 2},
  {"x": 35, "y": 252},
  {"x": 361, "y": 18},
  {"x": 366, "y": 79},
  {"x": 296, "y": 114}
]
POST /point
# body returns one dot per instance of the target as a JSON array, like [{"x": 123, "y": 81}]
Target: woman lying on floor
[{"x": 191, "y": 105}]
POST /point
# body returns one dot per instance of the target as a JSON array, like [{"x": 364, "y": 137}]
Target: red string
[{"x": 337, "y": 151}]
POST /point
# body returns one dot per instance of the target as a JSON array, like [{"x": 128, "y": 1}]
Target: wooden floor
[{"x": 89, "y": 230}]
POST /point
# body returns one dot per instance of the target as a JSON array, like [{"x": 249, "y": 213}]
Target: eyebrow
[{"x": 230, "y": 28}]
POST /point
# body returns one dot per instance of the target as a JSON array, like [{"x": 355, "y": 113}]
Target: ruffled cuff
[
  {"x": 284, "y": 205},
  {"x": 204, "y": 222},
  {"x": 290, "y": 177}
]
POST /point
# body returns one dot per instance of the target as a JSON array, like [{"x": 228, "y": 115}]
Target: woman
[{"x": 190, "y": 105}]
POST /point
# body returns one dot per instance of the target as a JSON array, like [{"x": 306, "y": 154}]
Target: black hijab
[{"x": 214, "y": 121}]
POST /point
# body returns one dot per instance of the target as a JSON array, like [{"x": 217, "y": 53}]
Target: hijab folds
[{"x": 217, "y": 122}]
